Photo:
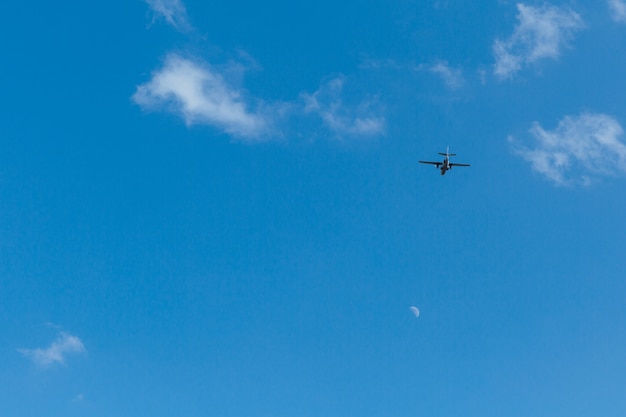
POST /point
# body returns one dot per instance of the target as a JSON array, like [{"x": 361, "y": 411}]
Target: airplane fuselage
[{"x": 445, "y": 166}]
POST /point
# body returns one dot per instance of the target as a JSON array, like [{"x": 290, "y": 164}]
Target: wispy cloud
[
  {"x": 173, "y": 11},
  {"x": 618, "y": 10},
  {"x": 200, "y": 94},
  {"x": 580, "y": 149},
  {"x": 362, "y": 119},
  {"x": 540, "y": 34},
  {"x": 452, "y": 77},
  {"x": 64, "y": 345}
]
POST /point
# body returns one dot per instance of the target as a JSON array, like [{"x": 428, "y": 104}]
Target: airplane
[{"x": 446, "y": 165}]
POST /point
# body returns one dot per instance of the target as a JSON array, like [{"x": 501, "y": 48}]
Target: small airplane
[{"x": 446, "y": 165}]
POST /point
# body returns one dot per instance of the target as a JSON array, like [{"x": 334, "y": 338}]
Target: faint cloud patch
[
  {"x": 452, "y": 77},
  {"x": 362, "y": 119},
  {"x": 51, "y": 325},
  {"x": 540, "y": 34},
  {"x": 378, "y": 64},
  {"x": 172, "y": 11},
  {"x": 200, "y": 94},
  {"x": 64, "y": 345},
  {"x": 579, "y": 150},
  {"x": 482, "y": 75},
  {"x": 618, "y": 10}
]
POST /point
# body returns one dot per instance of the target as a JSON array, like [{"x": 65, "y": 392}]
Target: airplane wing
[
  {"x": 459, "y": 165},
  {"x": 438, "y": 164}
]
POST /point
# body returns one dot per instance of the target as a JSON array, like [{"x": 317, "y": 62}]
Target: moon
[{"x": 415, "y": 311}]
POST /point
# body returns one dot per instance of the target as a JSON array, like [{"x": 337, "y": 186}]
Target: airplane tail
[{"x": 447, "y": 152}]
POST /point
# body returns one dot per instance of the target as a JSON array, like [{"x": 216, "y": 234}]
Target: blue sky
[{"x": 216, "y": 209}]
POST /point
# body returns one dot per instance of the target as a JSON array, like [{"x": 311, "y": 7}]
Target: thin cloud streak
[
  {"x": 452, "y": 77},
  {"x": 64, "y": 345},
  {"x": 618, "y": 9},
  {"x": 363, "y": 119},
  {"x": 172, "y": 11},
  {"x": 200, "y": 94},
  {"x": 579, "y": 150},
  {"x": 540, "y": 34}
]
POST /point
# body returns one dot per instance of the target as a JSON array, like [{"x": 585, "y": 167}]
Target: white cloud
[
  {"x": 452, "y": 77},
  {"x": 65, "y": 344},
  {"x": 173, "y": 11},
  {"x": 364, "y": 119},
  {"x": 618, "y": 8},
  {"x": 540, "y": 34},
  {"x": 200, "y": 94},
  {"x": 578, "y": 150}
]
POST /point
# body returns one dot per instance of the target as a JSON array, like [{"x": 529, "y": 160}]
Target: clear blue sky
[{"x": 215, "y": 208}]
